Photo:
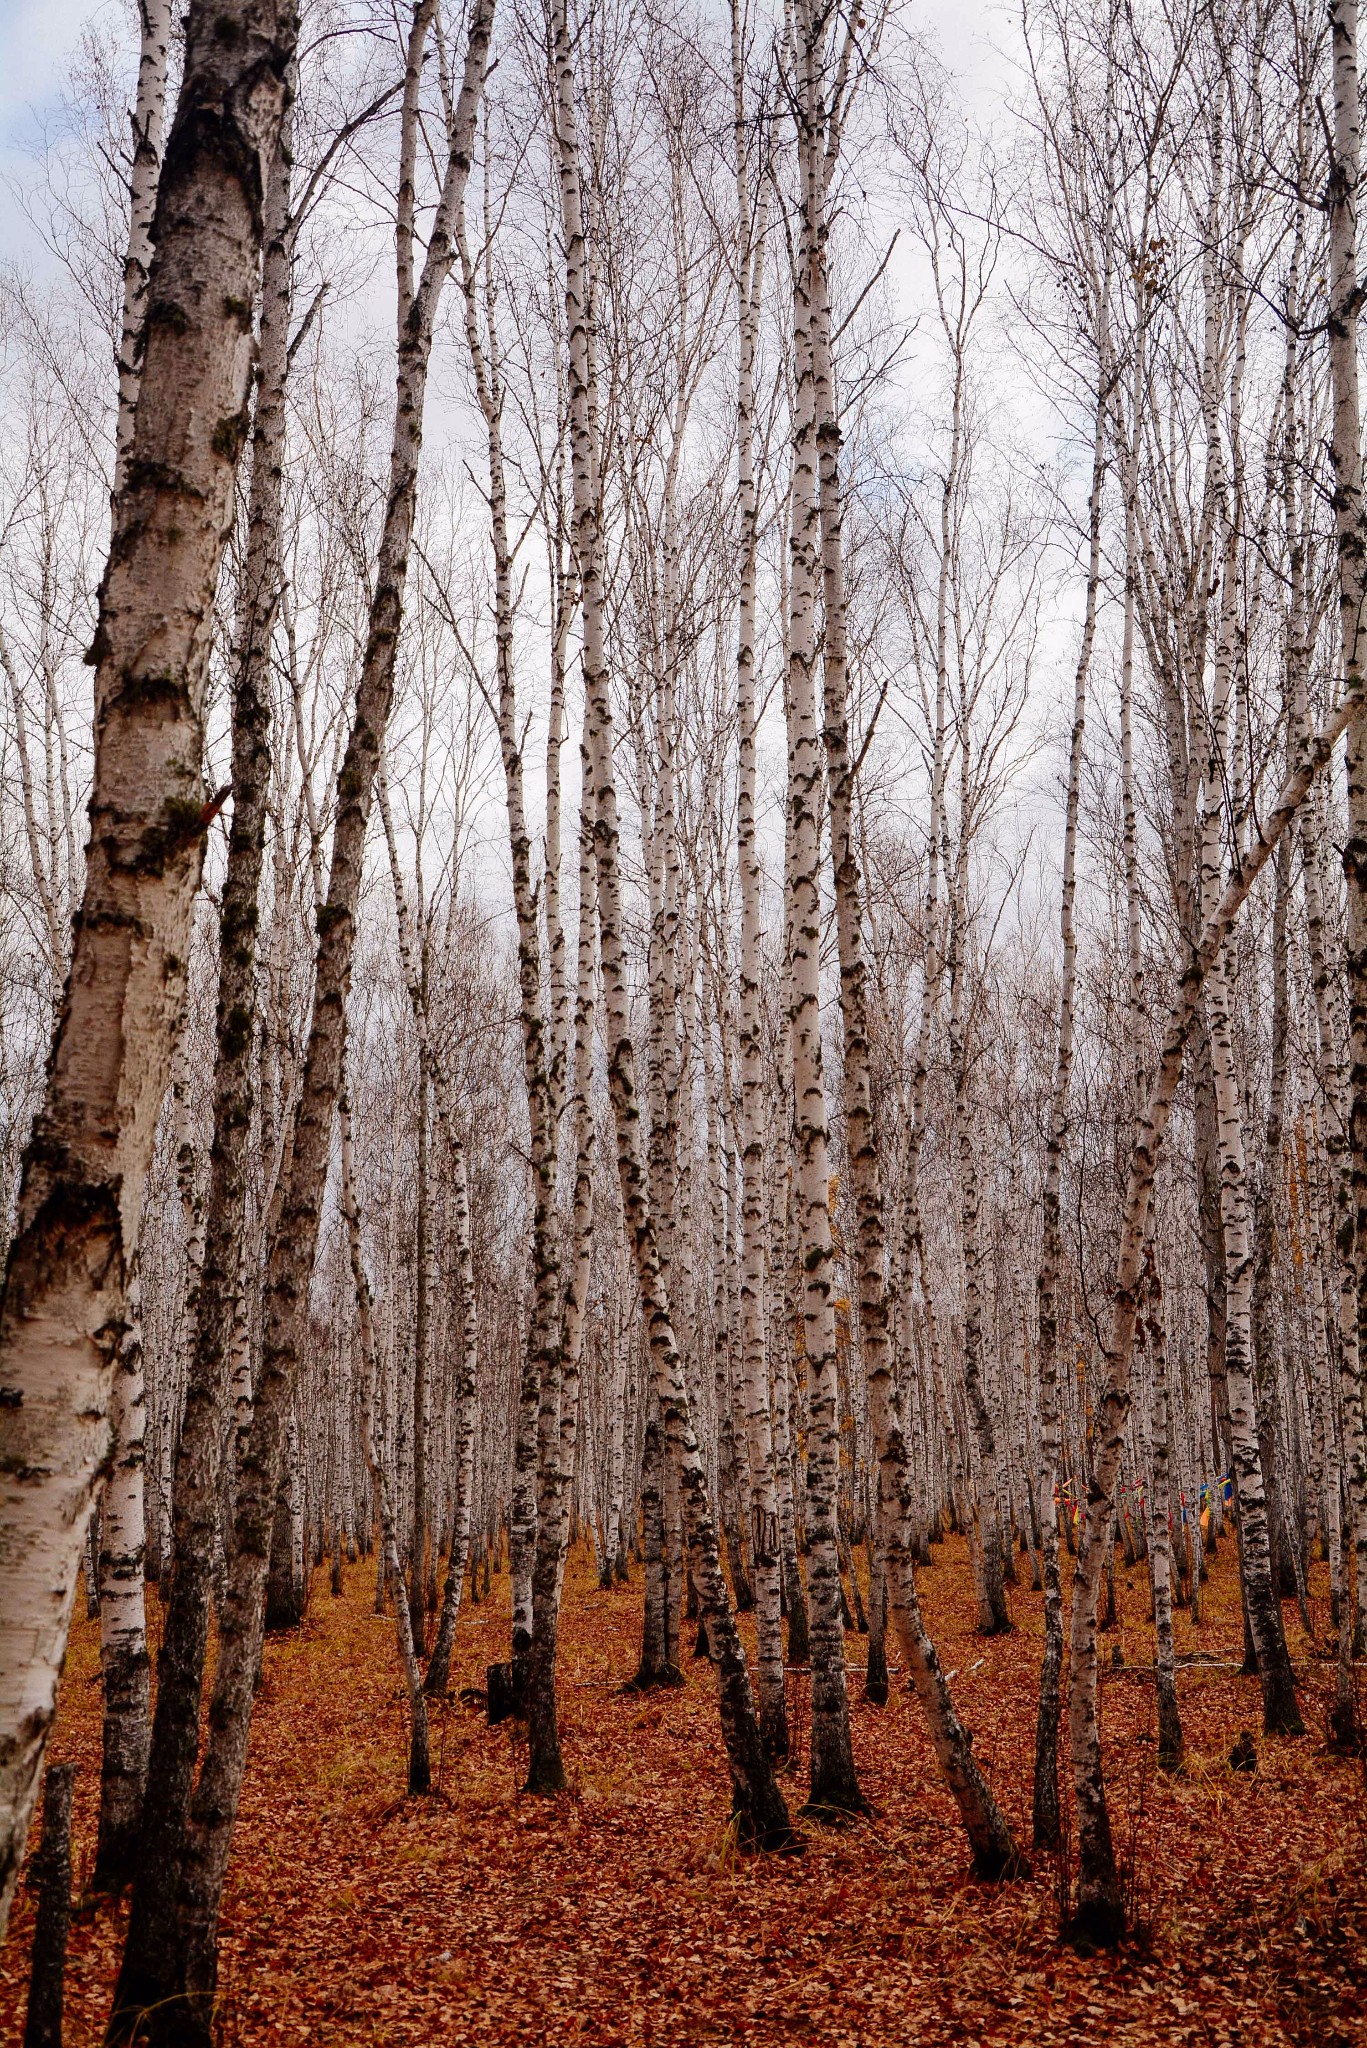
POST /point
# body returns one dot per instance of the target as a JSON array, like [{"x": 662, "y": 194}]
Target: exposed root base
[
  {"x": 398, "y": 1806},
  {"x": 1008, "y": 1865},
  {"x": 1344, "y": 1732},
  {"x": 828, "y": 1815},
  {"x": 780, "y": 1840},
  {"x": 1096, "y": 1927},
  {"x": 181, "y": 2021},
  {"x": 655, "y": 1681}
]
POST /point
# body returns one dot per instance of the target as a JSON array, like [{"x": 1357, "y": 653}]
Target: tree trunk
[
  {"x": 187, "y": 1966},
  {"x": 762, "y": 1815},
  {"x": 1160, "y": 1540},
  {"x": 127, "y": 1734},
  {"x": 419, "y": 1747},
  {"x": 52, "y": 1877},
  {"x": 81, "y": 1188},
  {"x": 834, "y": 1784},
  {"x": 1100, "y": 1910},
  {"x": 1350, "y": 521},
  {"x": 1045, "y": 1808}
]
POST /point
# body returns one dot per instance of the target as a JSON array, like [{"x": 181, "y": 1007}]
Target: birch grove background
[{"x": 683, "y": 924}]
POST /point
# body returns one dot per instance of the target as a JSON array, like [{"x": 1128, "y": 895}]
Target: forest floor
[{"x": 617, "y": 1914}]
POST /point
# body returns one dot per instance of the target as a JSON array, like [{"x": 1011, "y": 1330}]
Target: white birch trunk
[{"x": 81, "y": 1192}]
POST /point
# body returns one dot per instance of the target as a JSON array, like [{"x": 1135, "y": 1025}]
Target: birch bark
[
  {"x": 1350, "y": 524},
  {"x": 187, "y": 1965},
  {"x": 1100, "y": 1911},
  {"x": 994, "y": 1852},
  {"x": 1046, "y": 1811},
  {"x": 834, "y": 1785},
  {"x": 124, "y": 1663},
  {"x": 81, "y": 1188},
  {"x": 761, "y": 1813}
]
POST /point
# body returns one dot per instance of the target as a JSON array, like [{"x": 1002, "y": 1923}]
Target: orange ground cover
[{"x": 617, "y": 1915}]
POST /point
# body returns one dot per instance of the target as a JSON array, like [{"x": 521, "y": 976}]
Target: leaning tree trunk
[
  {"x": 81, "y": 1189},
  {"x": 1100, "y": 1906}
]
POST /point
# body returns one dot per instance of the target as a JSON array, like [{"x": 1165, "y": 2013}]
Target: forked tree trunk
[{"x": 81, "y": 1187}]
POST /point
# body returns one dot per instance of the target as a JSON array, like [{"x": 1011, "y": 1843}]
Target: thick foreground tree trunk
[{"x": 81, "y": 1191}]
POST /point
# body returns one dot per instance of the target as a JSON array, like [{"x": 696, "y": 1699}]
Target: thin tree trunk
[
  {"x": 419, "y": 1746},
  {"x": 994, "y": 1853},
  {"x": 1045, "y": 1808},
  {"x": 149, "y": 132},
  {"x": 1160, "y": 1540},
  {"x": 438, "y": 1670},
  {"x": 762, "y": 1815},
  {"x": 1350, "y": 522},
  {"x": 127, "y": 1733}
]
